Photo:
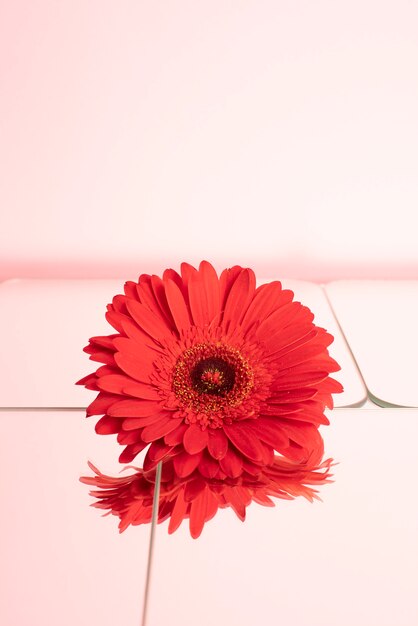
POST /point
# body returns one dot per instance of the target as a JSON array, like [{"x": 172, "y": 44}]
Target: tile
[
  {"x": 48, "y": 323},
  {"x": 62, "y": 562},
  {"x": 379, "y": 320},
  {"x": 350, "y": 559}
]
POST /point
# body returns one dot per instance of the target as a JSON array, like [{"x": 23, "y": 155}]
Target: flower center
[
  {"x": 211, "y": 379},
  {"x": 213, "y": 375}
]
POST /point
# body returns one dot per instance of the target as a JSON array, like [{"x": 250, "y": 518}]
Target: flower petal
[
  {"x": 193, "y": 488},
  {"x": 155, "y": 453},
  {"x": 217, "y": 443},
  {"x": 269, "y": 430},
  {"x": 267, "y": 299},
  {"x": 211, "y": 286},
  {"x": 153, "y": 325},
  {"x": 108, "y": 425},
  {"x": 130, "y": 452},
  {"x": 199, "y": 512},
  {"x": 134, "y": 366},
  {"x": 176, "y": 436},
  {"x": 244, "y": 440},
  {"x": 134, "y": 408},
  {"x": 185, "y": 464},
  {"x": 195, "y": 439},
  {"x": 133, "y": 423},
  {"x": 208, "y": 467},
  {"x": 177, "y": 305},
  {"x": 101, "y": 404},
  {"x": 231, "y": 463},
  {"x": 179, "y": 512},
  {"x": 159, "y": 429},
  {"x": 239, "y": 298}
]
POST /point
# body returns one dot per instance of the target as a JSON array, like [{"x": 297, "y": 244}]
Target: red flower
[
  {"x": 131, "y": 497},
  {"x": 212, "y": 372}
]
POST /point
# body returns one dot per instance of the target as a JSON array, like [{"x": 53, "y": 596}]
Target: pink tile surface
[
  {"x": 379, "y": 320},
  {"x": 351, "y": 559}
]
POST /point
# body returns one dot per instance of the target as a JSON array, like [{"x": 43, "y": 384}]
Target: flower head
[{"x": 221, "y": 380}]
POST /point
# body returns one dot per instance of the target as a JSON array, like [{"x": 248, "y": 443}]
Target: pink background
[
  {"x": 278, "y": 134},
  {"x": 281, "y": 134}
]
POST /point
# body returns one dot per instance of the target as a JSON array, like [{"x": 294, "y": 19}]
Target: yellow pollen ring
[{"x": 211, "y": 377}]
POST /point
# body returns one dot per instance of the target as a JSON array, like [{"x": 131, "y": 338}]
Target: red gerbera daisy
[{"x": 212, "y": 373}]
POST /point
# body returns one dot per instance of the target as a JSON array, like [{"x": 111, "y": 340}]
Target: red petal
[
  {"x": 138, "y": 335},
  {"x": 331, "y": 386},
  {"x": 301, "y": 354},
  {"x": 133, "y": 423},
  {"x": 293, "y": 395},
  {"x": 279, "y": 319},
  {"x": 244, "y": 440},
  {"x": 239, "y": 298},
  {"x": 211, "y": 286},
  {"x": 108, "y": 425},
  {"x": 285, "y": 338},
  {"x": 156, "y": 452},
  {"x": 142, "y": 390},
  {"x": 176, "y": 436},
  {"x": 135, "y": 408},
  {"x": 293, "y": 381},
  {"x": 226, "y": 281},
  {"x": 135, "y": 367},
  {"x": 153, "y": 325},
  {"x": 131, "y": 451},
  {"x": 208, "y": 467},
  {"x": 159, "y": 429},
  {"x": 198, "y": 512},
  {"x": 193, "y": 488},
  {"x": 198, "y": 301},
  {"x": 105, "y": 341},
  {"x": 238, "y": 499},
  {"x": 231, "y": 463},
  {"x": 101, "y": 404},
  {"x": 195, "y": 439},
  {"x": 302, "y": 433},
  {"x": 113, "y": 383},
  {"x": 217, "y": 443},
  {"x": 269, "y": 431},
  {"x": 146, "y": 294},
  {"x": 185, "y": 464},
  {"x": 129, "y": 436},
  {"x": 159, "y": 292},
  {"x": 130, "y": 290},
  {"x": 187, "y": 271},
  {"x": 267, "y": 299},
  {"x": 178, "y": 513},
  {"x": 177, "y": 305}
]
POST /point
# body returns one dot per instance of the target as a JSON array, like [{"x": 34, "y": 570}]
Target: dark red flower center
[{"x": 212, "y": 377}]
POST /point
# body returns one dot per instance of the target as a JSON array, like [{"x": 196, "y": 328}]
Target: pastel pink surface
[
  {"x": 281, "y": 133},
  {"x": 351, "y": 559}
]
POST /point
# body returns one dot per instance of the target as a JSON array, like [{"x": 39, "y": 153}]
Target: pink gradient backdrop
[{"x": 278, "y": 134}]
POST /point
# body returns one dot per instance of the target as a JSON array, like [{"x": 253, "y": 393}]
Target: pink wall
[{"x": 279, "y": 134}]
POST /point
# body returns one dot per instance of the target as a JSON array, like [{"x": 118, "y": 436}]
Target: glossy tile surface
[
  {"x": 351, "y": 559},
  {"x": 379, "y": 320}
]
